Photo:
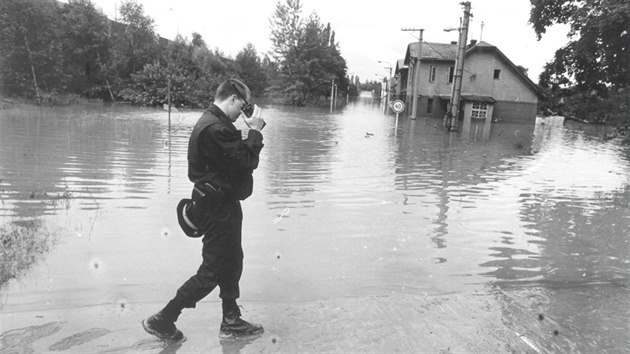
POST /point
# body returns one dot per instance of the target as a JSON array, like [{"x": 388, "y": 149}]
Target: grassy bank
[{"x": 23, "y": 244}]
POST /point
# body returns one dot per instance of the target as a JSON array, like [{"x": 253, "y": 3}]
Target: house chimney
[{"x": 454, "y": 42}]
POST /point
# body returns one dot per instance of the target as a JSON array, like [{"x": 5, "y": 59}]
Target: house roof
[
  {"x": 470, "y": 98},
  {"x": 431, "y": 51},
  {"x": 400, "y": 65},
  {"x": 477, "y": 98}
]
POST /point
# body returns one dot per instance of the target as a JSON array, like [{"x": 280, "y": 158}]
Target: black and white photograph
[{"x": 314, "y": 176}]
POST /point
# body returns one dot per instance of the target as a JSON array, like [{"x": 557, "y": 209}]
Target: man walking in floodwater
[{"x": 220, "y": 164}]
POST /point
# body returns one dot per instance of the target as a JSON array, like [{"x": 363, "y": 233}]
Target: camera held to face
[
  {"x": 248, "y": 110},
  {"x": 254, "y": 119}
]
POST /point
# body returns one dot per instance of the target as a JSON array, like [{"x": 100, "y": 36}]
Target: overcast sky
[{"x": 367, "y": 31}]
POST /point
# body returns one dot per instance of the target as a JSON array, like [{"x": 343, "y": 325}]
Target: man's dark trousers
[{"x": 222, "y": 264}]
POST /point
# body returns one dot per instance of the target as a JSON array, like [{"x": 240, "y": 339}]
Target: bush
[
  {"x": 591, "y": 107},
  {"x": 21, "y": 246}
]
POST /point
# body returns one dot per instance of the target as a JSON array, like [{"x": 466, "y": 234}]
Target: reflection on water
[{"x": 345, "y": 204}]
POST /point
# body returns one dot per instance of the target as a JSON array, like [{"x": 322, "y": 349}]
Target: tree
[
  {"x": 197, "y": 40},
  {"x": 319, "y": 60},
  {"x": 49, "y": 47},
  {"x": 86, "y": 48},
  {"x": 271, "y": 69},
  {"x": 137, "y": 44},
  {"x": 523, "y": 70},
  {"x": 30, "y": 51},
  {"x": 213, "y": 70},
  {"x": 307, "y": 56},
  {"x": 286, "y": 26},
  {"x": 182, "y": 73},
  {"x": 597, "y": 56},
  {"x": 251, "y": 70},
  {"x": 176, "y": 69}
]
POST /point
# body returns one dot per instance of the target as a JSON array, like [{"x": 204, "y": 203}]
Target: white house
[{"x": 492, "y": 86}]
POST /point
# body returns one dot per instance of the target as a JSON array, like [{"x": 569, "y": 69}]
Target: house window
[
  {"x": 430, "y": 105},
  {"x": 432, "y": 73},
  {"x": 451, "y": 74},
  {"x": 479, "y": 110},
  {"x": 497, "y": 73}
]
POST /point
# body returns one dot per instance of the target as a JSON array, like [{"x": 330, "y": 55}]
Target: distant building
[
  {"x": 492, "y": 86},
  {"x": 400, "y": 76}
]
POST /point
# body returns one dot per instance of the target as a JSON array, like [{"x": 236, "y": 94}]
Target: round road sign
[{"x": 398, "y": 106}]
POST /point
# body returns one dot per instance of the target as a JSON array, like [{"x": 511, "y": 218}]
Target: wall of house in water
[{"x": 516, "y": 101}]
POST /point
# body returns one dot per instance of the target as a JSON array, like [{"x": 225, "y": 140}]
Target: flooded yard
[{"x": 360, "y": 235}]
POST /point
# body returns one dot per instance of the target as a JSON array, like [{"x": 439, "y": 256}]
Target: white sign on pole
[{"x": 398, "y": 106}]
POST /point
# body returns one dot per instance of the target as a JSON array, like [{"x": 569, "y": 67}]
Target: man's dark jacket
[{"x": 218, "y": 154}]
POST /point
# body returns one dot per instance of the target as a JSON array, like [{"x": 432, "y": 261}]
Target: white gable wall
[{"x": 478, "y": 79}]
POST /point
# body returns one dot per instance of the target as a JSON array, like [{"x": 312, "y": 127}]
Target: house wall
[
  {"x": 401, "y": 87},
  {"x": 432, "y": 90},
  {"x": 478, "y": 79},
  {"x": 438, "y": 107},
  {"x": 440, "y": 86},
  {"x": 515, "y": 111}
]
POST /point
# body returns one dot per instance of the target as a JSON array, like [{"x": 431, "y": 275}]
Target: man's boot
[
  {"x": 163, "y": 328},
  {"x": 234, "y": 327}
]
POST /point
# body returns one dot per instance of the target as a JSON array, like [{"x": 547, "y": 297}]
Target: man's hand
[{"x": 256, "y": 121}]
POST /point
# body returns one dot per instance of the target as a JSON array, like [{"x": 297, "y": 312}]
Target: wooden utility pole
[
  {"x": 452, "y": 116},
  {"x": 335, "y": 105},
  {"x": 415, "y": 87},
  {"x": 347, "y": 94},
  {"x": 169, "y": 110},
  {"x": 30, "y": 61},
  {"x": 389, "y": 83},
  {"x": 109, "y": 87},
  {"x": 332, "y": 95}
]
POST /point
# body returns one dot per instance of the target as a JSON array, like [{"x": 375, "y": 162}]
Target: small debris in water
[
  {"x": 556, "y": 332},
  {"x": 95, "y": 263},
  {"x": 273, "y": 340},
  {"x": 541, "y": 317},
  {"x": 285, "y": 213}
]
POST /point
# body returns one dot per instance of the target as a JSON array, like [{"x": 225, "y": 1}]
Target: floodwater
[{"x": 361, "y": 235}]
